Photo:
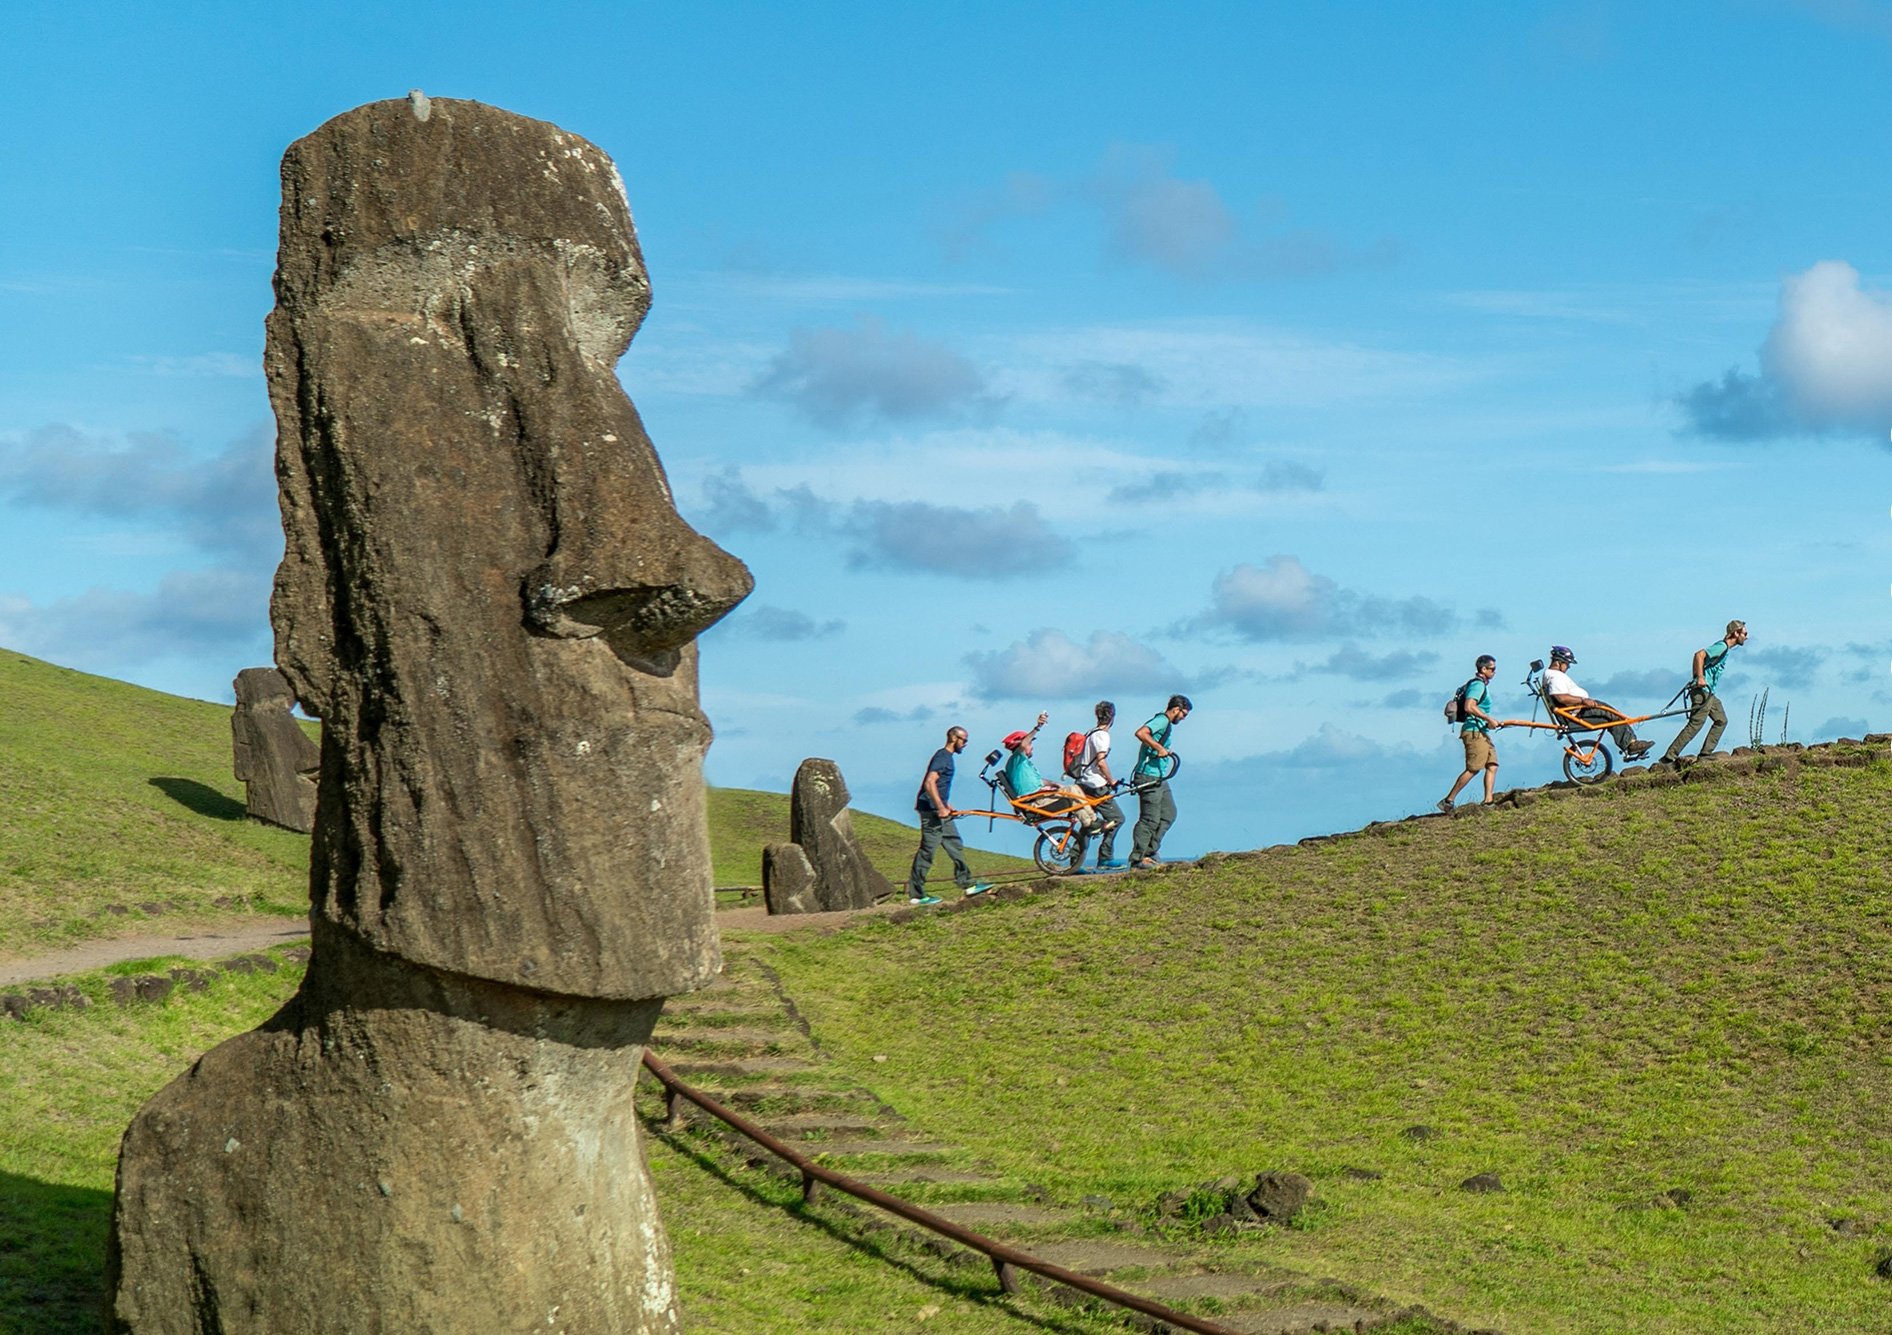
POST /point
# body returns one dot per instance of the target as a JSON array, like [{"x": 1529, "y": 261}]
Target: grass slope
[
  {"x": 1600, "y": 998},
  {"x": 121, "y": 814},
  {"x": 749, "y": 1257}
]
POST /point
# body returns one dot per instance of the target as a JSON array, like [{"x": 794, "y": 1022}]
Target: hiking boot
[
  {"x": 923, "y": 899},
  {"x": 1147, "y": 864},
  {"x": 976, "y": 888},
  {"x": 1444, "y": 804},
  {"x": 1638, "y": 751}
]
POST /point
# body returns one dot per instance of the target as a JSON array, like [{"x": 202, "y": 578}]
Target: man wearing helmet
[{"x": 1561, "y": 691}]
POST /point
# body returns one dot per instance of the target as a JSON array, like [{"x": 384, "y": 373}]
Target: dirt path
[{"x": 233, "y": 936}]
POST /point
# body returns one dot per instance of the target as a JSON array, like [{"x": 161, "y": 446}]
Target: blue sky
[{"x": 1286, "y": 356}]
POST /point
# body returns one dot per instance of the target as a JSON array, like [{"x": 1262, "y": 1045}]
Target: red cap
[{"x": 1012, "y": 740}]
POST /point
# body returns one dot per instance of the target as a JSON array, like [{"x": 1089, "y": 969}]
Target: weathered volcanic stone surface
[
  {"x": 274, "y": 758},
  {"x": 788, "y": 881},
  {"x": 818, "y": 820},
  {"x": 490, "y": 602}
]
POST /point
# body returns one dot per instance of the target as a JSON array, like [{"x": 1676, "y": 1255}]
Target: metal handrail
[{"x": 1006, "y": 1261}]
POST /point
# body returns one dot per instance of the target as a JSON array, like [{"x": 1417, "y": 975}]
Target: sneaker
[
  {"x": 923, "y": 899},
  {"x": 1670, "y": 760},
  {"x": 1639, "y": 750},
  {"x": 1145, "y": 864},
  {"x": 1112, "y": 864},
  {"x": 976, "y": 888},
  {"x": 1445, "y": 805}
]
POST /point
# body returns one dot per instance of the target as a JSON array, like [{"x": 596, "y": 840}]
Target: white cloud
[
  {"x": 1049, "y": 665},
  {"x": 1282, "y": 599},
  {"x": 838, "y": 377},
  {"x": 1826, "y": 365}
]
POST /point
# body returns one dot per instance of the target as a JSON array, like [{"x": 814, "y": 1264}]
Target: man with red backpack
[
  {"x": 1473, "y": 707},
  {"x": 1087, "y": 764}
]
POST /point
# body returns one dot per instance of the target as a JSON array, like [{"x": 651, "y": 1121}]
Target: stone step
[
  {"x": 852, "y": 1149},
  {"x": 771, "y": 1018},
  {"x": 1096, "y": 1257},
  {"x": 802, "y": 1125},
  {"x": 806, "y": 1098},
  {"x": 981, "y": 1216},
  {"x": 755, "y": 1042},
  {"x": 694, "y": 1069},
  {"x": 921, "y": 1175},
  {"x": 1301, "y": 1318}
]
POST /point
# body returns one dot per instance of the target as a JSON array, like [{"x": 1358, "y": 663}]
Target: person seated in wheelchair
[
  {"x": 1562, "y": 692},
  {"x": 1035, "y": 796}
]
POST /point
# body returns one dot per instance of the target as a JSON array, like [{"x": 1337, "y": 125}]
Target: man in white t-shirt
[
  {"x": 1560, "y": 690},
  {"x": 1092, "y": 774}
]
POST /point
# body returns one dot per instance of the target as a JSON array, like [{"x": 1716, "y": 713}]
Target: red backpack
[{"x": 1073, "y": 750}]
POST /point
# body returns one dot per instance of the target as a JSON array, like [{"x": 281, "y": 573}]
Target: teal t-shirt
[
  {"x": 1021, "y": 776},
  {"x": 1149, "y": 764},
  {"x": 1717, "y": 659},
  {"x": 1477, "y": 693}
]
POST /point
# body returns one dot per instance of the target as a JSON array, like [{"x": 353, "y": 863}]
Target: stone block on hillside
[
  {"x": 274, "y": 759},
  {"x": 818, "y": 820},
  {"x": 1278, "y": 1197},
  {"x": 788, "y": 881},
  {"x": 491, "y": 603}
]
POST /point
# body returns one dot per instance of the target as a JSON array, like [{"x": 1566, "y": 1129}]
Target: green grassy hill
[
  {"x": 118, "y": 811},
  {"x": 1658, "y": 1012}
]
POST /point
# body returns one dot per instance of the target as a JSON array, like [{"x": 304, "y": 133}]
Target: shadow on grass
[
  {"x": 887, "y": 1246},
  {"x": 52, "y": 1256},
  {"x": 201, "y": 798}
]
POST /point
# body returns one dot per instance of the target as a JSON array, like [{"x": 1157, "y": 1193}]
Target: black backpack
[{"x": 1455, "y": 707}]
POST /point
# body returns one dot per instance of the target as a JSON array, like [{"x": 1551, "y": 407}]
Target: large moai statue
[
  {"x": 273, "y": 757},
  {"x": 490, "y": 601}
]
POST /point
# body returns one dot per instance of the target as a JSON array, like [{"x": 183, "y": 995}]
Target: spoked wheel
[
  {"x": 1594, "y": 770},
  {"x": 1060, "y": 848}
]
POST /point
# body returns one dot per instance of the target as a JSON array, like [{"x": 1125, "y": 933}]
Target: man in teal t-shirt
[
  {"x": 1703, "y": 703},
  {"x": 1481, "y": 757},
  {"x": 1156, "y": 806}
]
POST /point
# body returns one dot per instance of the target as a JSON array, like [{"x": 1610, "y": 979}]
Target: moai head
[{"x": 487, "y": 595}]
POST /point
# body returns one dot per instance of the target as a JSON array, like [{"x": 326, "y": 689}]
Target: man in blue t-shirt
[
  {"x": 935, "y": 808},
  {"x": 1703, "y": 703},
  {"x": 1475, "y": 732},
  {"x": 1156, "y": 807}
]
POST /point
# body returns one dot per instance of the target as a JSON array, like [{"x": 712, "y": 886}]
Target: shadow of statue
[
  {"x": 52, "y": 1256},
  {"x": 199, "y": 797}
]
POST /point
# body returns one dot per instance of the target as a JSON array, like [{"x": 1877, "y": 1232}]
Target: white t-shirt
[
  {"x": 1559, "y": 683},
  {"x": 1096, "y": 747}
]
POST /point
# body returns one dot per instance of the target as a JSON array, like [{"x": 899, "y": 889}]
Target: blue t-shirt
[
  {"x": 1476, "y": 693},
  {"x": 1717, "y": 659},
  {"x": 1149, "y": 764},
  {"x": 1021, "y": 776},
  {"x": 942, "y": 765}
]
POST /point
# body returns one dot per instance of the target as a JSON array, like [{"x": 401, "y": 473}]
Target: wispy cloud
[
  {"x": 1049, "y": 665},
  {"x": 779, "y": 624},
  {"x": 842, "y": 377},
  {"x": 189, "y": 611},
  {"x": 1282, "y": 599}
]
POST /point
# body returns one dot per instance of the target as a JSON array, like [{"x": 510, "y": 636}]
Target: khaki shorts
[{"x": 1479, "y": 752}]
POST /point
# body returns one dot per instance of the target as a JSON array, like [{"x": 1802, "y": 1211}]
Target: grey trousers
[
  {"x": 935, "y": 833},
  {"x": 1624, "y": 735},
  {"x": 1156, "y": 812},
  {"x": 1111, "y": 815},
  {"x": 1703, "y": 705}
]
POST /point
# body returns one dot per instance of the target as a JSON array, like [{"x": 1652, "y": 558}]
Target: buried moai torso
[
  {"x": 490, "y": 602},
  {"x": 272, "y": 756}
]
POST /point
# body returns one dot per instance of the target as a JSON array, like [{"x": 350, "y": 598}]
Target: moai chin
[{"x": 489, "y": 600}]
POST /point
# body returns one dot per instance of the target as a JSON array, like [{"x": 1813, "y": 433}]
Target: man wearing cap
[
  {"x": 1561, "y": 691},
  {"x": 1481, "y": 757},
  {"x": 1703, "y": 704}
]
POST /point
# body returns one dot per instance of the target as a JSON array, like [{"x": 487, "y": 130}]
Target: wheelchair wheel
[
  {"x": 1594, "y": 771},
  {"x": 1060, "y": 849}
]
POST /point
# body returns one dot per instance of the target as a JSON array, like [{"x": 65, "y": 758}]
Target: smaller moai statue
[
  {"x": 832, "y": 871},
  {"x": 274, "y": 758}
]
